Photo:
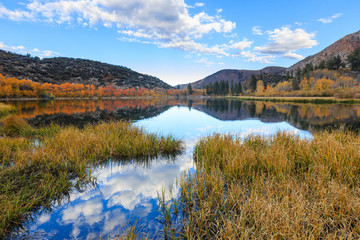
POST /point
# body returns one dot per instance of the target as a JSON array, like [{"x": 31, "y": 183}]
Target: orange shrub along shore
[{"x": 15, "y": 88}]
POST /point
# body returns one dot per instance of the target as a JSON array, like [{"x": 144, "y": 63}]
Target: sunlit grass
[
  {"x": 6, "y": 109},
  {"x": 282, "y": 187},
  {"x": 38, "y": 166}
]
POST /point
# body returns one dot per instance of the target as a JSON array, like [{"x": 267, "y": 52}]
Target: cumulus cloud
[
  {"x": 254, "y": 57},
  {"x": 162, "y": 21},
  {"x": 292, "y": 55},
  {"x": 16, "y": 15},
  {"x": 330, "y": 19},
  {"x": 257, "y": 31},
  {"x": 242, "y": 44},
  {"x": 285, "y": 42},
  {"x": 23, "y": 50}
]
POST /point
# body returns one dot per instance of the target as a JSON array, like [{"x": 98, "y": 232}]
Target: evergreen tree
[
  {"x": 240, "y": 89},
  {"x": 252, "y": 84},
  {"x": 190, "y": 90},
  {"x": 334, "y": 63},
  {"x": 295, "y": 84},
  {"x": 354, "y": 60},
  {"x": 321, "y": 65}
]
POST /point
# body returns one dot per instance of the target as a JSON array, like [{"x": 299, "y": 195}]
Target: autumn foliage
[
  {"x": 15, "y": 88},
  {"x": 321, "y": 83}
]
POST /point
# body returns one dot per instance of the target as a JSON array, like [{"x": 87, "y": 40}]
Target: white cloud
[
  {"x": 257, "y": 31},
  {"x": 292, "y": 55},
  {"x": 254, "y": 57},
  {"x": 164, "y": 22},
  {"x": 16, "y": 15},
  {"x": 330, "y": 19},
  {"x": 23, "y": 50},
  {"x": 242, "y": 44},
  {"x": 285, "y": 42},
  {"x": 192, "y": 46},
  {"x": 199, "y": 4}
]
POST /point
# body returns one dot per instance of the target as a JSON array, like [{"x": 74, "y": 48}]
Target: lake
[{"x": 127, "y": 191}]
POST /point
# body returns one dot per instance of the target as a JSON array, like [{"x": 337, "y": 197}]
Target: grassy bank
[
  {"x": 317, "y": 100},
  {"x": 6, "y": 109},
  {"x": 277, "y": 188},
  {"x": 40, "y": 166}
]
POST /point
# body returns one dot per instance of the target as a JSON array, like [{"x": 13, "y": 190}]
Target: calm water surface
[{"x": 127, "y": 191}]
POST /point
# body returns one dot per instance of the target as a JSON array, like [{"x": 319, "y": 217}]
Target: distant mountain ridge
[
  {"x": 60, "y": 70},
  {"x": 233, "y": 75},
  {"x": 342, "y": 48}
]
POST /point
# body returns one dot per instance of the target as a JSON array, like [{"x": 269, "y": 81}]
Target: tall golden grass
[
  {"x": 282, "y": 187},
  {"x": 6, "y": 109},
  {"x": 37, "y": 166}
]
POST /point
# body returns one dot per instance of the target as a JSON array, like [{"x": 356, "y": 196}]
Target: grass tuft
[
  {"x": 281, "y": 187},
  {"x": 6, "y": 109},
  {"x": 37, "y": 166}
]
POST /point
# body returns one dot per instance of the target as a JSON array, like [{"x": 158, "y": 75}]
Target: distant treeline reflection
[{"x": 303, "y": 116}]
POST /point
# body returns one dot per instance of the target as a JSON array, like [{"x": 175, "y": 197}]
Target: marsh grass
[
  {"x": 6, "y": 109},
  {"x": 281, "y": 187},
  {"x": 35, "y": 175}
]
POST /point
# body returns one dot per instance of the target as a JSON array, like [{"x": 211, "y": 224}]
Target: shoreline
[
  {"x": 318, "y": 100},
  {"x": 97, "y": 99}
]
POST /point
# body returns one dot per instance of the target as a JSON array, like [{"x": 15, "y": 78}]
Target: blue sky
[{"x": 178, "y": 41}]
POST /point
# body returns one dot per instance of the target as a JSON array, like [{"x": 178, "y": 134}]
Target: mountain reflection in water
[
  {"x": 127, "y": 191},
  {"x": 80, "y": 112}
]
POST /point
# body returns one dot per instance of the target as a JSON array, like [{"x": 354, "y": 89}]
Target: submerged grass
[
  {"x": 282, "y": 187},
  {"x": 38, "y": 166}
]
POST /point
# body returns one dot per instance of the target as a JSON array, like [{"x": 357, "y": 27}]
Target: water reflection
[
  {"x": 127, "y": 191},
  {"x": 302, "y": 116}
]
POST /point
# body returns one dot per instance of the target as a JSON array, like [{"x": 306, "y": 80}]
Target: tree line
[
  {"x": 223, "y": 88},
  {"x": 15, "y": 88}
]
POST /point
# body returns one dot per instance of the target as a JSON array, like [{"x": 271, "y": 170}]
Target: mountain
[
  {"x": 342, "y": 47},
  {"x": 233, "y": 75},
  {"x": 60, "y": 70}
]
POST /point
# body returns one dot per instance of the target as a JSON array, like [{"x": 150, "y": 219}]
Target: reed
[
  {"x": 38, "y": 166},
  {"x": 281, "y": 187},
  {"x": 6, "y": 109}
]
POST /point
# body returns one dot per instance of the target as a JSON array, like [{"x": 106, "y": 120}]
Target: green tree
[
  {"x": 190, "y": 90},
  {"x": 252, "y": 84},
  {"x": 295, "y": 84},
  {"x": 354, "y": 60},
  {"x": 334, "y": 63}
]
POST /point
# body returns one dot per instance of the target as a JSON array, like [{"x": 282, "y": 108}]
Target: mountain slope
[
  {"x": 60, "y": 70},
  {"x": 342, "y": 47},
  {"x": 233, "y": 75}
]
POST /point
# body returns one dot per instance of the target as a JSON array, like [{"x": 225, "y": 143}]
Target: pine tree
[
  {"x": 190, "y": 90},
  {"x": 253, "y": 82}
]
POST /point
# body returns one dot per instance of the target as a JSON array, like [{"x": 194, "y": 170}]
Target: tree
[
  {"x": 334, "y": 63},
  {"x": 354, "y": 60},
  {"x": 190, "y": 90},
  {"x": 252, "y": 84},
  {"x": 260, "y": 88},
  {"x": 295, "y": 84}
]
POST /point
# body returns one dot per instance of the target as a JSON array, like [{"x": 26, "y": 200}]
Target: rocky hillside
[
  {"x": 60, "y": 70},
  {"x": 342, "y": 47},
  {"x": 235, "y": 76}
]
